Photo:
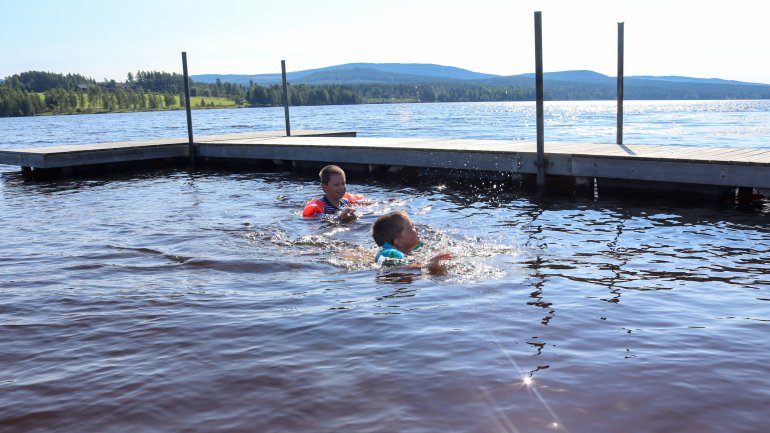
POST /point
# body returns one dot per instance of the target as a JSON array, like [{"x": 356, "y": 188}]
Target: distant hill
[
  {"x": 407, "y": 73},
  {"x": 405, "y": 69},
  {"x": 576, "y": 76},
  {"x": 355, "y": 73},
  {"x": 38, "y": 92},
  {"x": 678, "y": 79},
  {"x": 581, "y": 84}
]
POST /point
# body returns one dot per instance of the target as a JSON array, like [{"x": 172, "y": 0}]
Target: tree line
[
  {"x": 93, "y": 100},
  {"x": 32, "y": 93},
  {"x": 46, "y": 93},
  {"x": 35, "y": 92}
]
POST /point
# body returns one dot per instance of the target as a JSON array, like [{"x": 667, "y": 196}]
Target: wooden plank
[
  {"x": 82, "y": 148},
  {"x": 265, "y": 135},
  {"x": 125, "y": 151},
  {"x": 693, "y": 154},
  {"x": 667, "y": 153},
  {"x": 723, "y": 154},
  {"x": 748, "y": 155},
  {"x": 715, "y": 166},
  {"x": 732, "y": 175},
  {"x": 71, "y": 156},
  {"x": 380, "y": 155}
]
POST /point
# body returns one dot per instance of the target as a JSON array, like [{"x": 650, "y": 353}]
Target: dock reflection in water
[{"x": 202, "y": 302}]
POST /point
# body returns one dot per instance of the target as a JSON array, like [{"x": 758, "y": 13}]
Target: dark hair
[
  {"x": 326, "y": 173},
  {"x": 388, "y": 227}
]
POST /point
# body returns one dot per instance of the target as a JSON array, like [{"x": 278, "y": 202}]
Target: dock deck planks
[{"x": 734, "y": 167}]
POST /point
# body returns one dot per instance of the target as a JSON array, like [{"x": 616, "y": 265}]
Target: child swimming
[
  {"x": 336, "y": 199},
  {"x": 397, "y": 237}
]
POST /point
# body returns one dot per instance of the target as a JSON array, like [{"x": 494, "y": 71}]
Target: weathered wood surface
[
  {"x": 733, "y": 167},
  {"x": 105, "y": 153},
  {"x": 678, "y": 164}
]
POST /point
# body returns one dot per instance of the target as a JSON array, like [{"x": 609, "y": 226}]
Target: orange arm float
[
  {"x": 313, "y": 208},
  {"x": 355, "y": 198}
]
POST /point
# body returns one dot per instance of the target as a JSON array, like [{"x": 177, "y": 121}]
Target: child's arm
[{"x": 435, "y": 265}]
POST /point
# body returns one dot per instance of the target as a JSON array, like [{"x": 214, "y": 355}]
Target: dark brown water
[
  {"x": 201, "y": 302},
  {"x": 178, "y": 302}
]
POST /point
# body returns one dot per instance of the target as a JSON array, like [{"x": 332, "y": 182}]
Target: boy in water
[
  {"x": 336, "y": 199},
  {"x": 397, "y": 237}
]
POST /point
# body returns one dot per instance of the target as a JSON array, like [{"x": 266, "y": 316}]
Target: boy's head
[
  {"x": 333, "y": 183},
  {"x": 396, "y": 229},
  {"x": 327, "y": 172}
]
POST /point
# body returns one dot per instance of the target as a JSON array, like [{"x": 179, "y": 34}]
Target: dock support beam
[
  {"x": 539, "y": 103},
  {"x": 285, "y": 98},
  {"x": 746, "y": 195},
  {"x": 191, "y": 144},
  {"x": 619, "y": 139}
]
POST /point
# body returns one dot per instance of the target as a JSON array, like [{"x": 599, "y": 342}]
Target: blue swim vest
[{"x": 392, "y": 256}]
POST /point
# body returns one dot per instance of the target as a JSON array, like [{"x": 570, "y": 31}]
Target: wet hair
[
  {"x": 327, "y": 172},
  {"x": 388, "y": 227}
]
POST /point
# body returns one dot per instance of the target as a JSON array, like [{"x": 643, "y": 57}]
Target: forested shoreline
[
  {"x": 45, "y": 93},
  {"x": 40, "y": 93}
]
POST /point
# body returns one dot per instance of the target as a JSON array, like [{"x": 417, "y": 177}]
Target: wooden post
[
  {"x": 539, "y": 103},
  {"x": 190, "y": 143},
  {"x": 619, "y": 139},
  {"x": 285, "y": 98}
]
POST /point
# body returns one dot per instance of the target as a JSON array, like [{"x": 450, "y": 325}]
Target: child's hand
[
  {"x": 347, "y": 215},
  {"x": 435, "y": 265}
]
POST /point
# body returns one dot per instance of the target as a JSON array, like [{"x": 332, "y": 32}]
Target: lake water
[
  {"x": 178, "y": 301},
  {"x": 686, "y": 123}
]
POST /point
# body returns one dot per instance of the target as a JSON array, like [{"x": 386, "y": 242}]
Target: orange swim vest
[{"x": 317, "y": 206}]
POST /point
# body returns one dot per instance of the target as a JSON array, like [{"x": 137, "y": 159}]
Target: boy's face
[
  {"x": 408, "y": 238},
  {"x": 335, "y": 188}
]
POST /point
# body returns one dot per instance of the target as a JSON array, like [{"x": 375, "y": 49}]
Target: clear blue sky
[{"x": 105, "y": 39}]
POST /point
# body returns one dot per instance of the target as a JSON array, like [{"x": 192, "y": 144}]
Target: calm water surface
[
  {"x": 176, "y": 301},
  {"x": 686, "y": 123}
]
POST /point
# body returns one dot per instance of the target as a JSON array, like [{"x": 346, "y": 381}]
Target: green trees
[
  {"x": 59, "y": 100},
  {"x": 162, "y": 82},
  {"x": 16, "y": 103},
  {"x": 302, "y": 94},
  {"x": 441, "y": 92},
  {"x": 33, "y": 93},
  {"x": 37, "y": 92},
  {"x": 169, "y": 100},
  {"x": 37, "y": 81},
  {"x": 153, "y": 90}
]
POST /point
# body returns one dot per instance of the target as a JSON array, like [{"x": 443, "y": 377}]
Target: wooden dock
[
  {"x": 632, "y": 164},
  {"x": 77, "y": 155}
]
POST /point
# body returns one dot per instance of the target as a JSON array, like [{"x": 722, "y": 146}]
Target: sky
[{"x": 107, "y": 39}]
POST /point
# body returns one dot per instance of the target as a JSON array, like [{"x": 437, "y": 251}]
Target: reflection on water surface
[{"x": 202, "y": 302}]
